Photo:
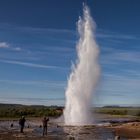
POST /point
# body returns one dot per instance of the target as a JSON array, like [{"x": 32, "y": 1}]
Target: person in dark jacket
[
  {"x": 45, "y": 125},
  {"x": 22, "y": 123}
]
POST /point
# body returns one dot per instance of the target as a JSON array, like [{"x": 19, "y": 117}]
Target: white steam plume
[{"x": 85, "y": 74}]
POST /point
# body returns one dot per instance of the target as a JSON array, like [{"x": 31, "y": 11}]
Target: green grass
[
  {"x": 15, "y": 111},
  {"x": 133, "y": 111}
]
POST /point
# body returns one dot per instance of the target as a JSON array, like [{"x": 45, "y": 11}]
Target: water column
[{"x": 84, "y": 76}]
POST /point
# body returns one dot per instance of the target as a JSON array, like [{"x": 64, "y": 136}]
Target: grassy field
[
  {"x": 16, "y": 110},
  {"x": 122, "y": 111}
]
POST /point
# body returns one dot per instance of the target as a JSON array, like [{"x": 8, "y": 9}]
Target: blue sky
[{"x": 37, "y": 46}]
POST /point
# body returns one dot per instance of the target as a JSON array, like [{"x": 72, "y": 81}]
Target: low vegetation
[
  {"x": 13, "y": 111},
  {"x": 16, "y": 111},
  {"x": 112, "y": 110}
]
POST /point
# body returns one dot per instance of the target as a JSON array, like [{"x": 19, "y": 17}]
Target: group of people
[{"x": 44, "y": 123}]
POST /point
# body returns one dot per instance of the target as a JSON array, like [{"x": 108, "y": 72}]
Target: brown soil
[
  {"x": 128, "y": 130},
  {"x": 27, "y": 135}
]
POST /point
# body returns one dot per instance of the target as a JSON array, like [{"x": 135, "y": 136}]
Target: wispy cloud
[
  {"x": 120, "y": 56},
  {"x": 115, "y": 35},
  {"x": 37, "y": 29},
  {"x": 129, "y": 56},
  {"x": 4, "y": 45},
  {"x": 33, "y": 101},
  {"x": 101, "y": 33},
  {"x": 31, "y": 64},
  {"x": 17, "y": 49},
  {"x": 121, "y": 87},
  {"x": 51, "y": 84}
]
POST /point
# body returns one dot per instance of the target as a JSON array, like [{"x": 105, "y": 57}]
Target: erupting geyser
[{"x": 84, "y": 76}]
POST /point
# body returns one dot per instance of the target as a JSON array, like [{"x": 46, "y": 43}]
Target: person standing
[
  {"x": 22, "y": 123},
  {"x": 45, "y": 125}
]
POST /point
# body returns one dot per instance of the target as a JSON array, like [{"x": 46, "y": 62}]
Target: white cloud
[
  {"x": 128, "y": 56},
  {"x": 4, "y": 45},
  {"x": 31, "y": 64},
  {"x": 119, "y": 56},
  {"x": 17, "y": 49},
  {"x": 8, "y": 46},
  {"x": 40, "y": 30},
  {"x": 33, "y": 101},
  {"x": 119, "y": 86},
  {"x": 53, "y": 84},
  {"x": 115, "y": 35}
]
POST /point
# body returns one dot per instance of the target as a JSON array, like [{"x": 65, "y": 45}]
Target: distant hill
[{"x": 17, "y": 110}]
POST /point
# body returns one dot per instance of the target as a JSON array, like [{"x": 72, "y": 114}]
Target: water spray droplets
[{"x": 84, "y": 76}]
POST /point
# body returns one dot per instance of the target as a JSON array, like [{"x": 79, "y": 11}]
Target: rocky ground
[
  {"x": 125, "y": 130},
  {"x": 130, "y": 130}
]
